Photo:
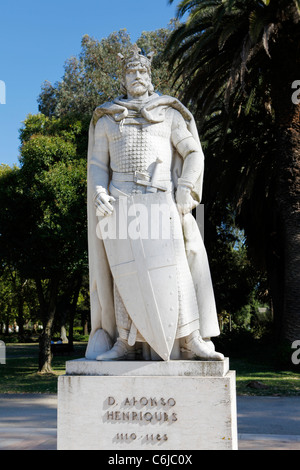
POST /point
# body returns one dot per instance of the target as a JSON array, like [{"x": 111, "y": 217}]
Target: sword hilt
[{"x": 152, "y": 186}]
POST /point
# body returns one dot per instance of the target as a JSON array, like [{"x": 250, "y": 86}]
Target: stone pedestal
[{"x": 175, "y": 405}]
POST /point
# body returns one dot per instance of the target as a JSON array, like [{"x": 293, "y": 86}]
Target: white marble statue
[{"x": 148, "y": 293}]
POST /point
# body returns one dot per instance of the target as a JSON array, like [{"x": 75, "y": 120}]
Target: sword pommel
[{"x": 152, "y": 185}]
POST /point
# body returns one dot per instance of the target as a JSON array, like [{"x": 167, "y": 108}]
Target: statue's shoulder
[
  {"x": 105, "y": 106},
  {"x": 158, "y": 106},
  {"x": 109, "y": 108},
  {"x": 172, "y": 102}
]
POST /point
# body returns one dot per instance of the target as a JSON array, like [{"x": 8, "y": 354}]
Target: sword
[{"x": 152, "y": 185}]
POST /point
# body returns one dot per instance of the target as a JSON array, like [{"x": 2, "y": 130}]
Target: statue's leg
[
  {"x": 195, "y": 347},
  {"x": 120, "y": 351},
  {"x": 146, "y": 350}
]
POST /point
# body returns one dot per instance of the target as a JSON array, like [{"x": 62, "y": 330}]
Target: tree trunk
[
  {"x": 73, "y": 307},
  {"x": 48, "y": 309},
  {"x": 288, "y": 198},
  {"x": 85, "y": 327},
  {"x": 21, "y": 317},
  {"x": 45, "y": 355},
  {"x": 286, "y": 60}
]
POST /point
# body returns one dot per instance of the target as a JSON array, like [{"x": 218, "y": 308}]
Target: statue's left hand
[
  {"x": 184, "y": 200},
  {"x": 103, "y": 204}
]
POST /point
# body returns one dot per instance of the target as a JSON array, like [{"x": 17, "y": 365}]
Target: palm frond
[
  {"x": 250, "y": 101},
  {"x": 228, "y": 31},
  {"x": 268, "y": 31},
  {"x": 297, "y": 2},
  {"x": 256, "y": 25},
  {"x": 190, "y": 6},
  {"x": 220, "y": 50}
]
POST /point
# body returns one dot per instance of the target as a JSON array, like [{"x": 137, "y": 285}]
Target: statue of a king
[{"x": 151, "y": 296}]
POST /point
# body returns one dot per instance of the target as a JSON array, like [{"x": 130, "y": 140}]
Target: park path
[{"x": 28, "y": 422}]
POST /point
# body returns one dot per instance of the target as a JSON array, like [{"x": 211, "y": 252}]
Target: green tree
[
  {"x": 7, "y": 316},
  {"x": 235, "y": 278},
  {"x": 43, "y": 216},
  {"x": 93, "y": 77},
  {"x": 239, "y": 60},
  {"x": 16, "y": 289},
  {"x": 54, "y": 179}
]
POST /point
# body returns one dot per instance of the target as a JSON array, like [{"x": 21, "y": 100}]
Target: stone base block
[{"x": 175, "y": 405}]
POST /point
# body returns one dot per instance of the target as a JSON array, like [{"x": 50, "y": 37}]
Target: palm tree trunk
[
  {"x": 286, "y": 61},
  {"x": 288, "y": 200}
]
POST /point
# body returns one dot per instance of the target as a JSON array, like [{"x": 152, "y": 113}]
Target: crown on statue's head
[{"x": 134, "y": 57}]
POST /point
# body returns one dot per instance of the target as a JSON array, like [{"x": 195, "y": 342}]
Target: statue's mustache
[{"x": 139, "y": 82}]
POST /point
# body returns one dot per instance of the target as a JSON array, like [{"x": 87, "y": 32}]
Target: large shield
[{"x": 140, "y": 251}]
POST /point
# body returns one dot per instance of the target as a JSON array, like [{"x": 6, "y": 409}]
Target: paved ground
[
  {"x": 269, "y": 423},
  {"x": 28, "y": 422}
]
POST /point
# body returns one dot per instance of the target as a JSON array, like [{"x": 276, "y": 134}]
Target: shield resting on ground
[{"x": 140, "y": 251}]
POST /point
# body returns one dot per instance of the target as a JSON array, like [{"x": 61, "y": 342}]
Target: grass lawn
[
  {"x": 253, "y": 378},
  {"x": 19, "y": 374}
]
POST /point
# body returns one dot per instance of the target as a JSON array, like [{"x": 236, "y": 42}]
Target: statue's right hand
[{"x": 103, "y": 204}]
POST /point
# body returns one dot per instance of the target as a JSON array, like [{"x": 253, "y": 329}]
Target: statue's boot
[
  {"x": 120, "y": 351},
  {"x": 194, "y": 347}
]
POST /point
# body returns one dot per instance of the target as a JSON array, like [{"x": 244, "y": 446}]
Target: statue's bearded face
[{"x": 137, "y": 80}]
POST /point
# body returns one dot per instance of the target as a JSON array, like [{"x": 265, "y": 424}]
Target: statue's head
[{"x": 136, "y": 78}]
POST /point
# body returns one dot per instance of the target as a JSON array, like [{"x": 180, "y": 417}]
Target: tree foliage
[
  {"x": 239, "y": 60},
  {"x": 43, "y": 229},
  {"x": 93, "y": 77}
]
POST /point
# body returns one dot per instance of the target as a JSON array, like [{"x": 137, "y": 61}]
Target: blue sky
[{"x": 38, "y": 36}]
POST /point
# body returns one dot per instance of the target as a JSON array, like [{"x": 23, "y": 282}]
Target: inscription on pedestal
[{"x": 143, "y": 410}]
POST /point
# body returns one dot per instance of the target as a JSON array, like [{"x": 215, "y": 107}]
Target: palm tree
[{"x": 239, "y": 59}]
